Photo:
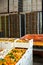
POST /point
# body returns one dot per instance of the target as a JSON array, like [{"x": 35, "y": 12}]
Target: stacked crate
[
  {"x": 3, "y": 6},
  {"x": 14, "y": 26},
  {"x": 0, "y": 24},
  {"x": 39, "y": 22},
  {"x": 28, "y": 23},
  {"x": 5, "y": 27},
  {"x": 26, "y": 5},
  {"x": 11, "y": 3},
  {"x": 31, "y": 23},
  {"x": 34, "y": 23},
  {"x": 20, "y": 5},
  {"x": 39, "y": 5},
  {"x": 34, "y": 5},
  {"x": 15, "y": 5},
  {"x": 10, "y": 25}
]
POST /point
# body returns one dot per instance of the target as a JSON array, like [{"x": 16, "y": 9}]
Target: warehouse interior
[{"x": 19, "y": 18}]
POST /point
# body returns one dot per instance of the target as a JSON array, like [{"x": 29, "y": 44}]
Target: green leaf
[
  {"x": 2, "y": 60},
  {"x": 12, "y": 56},
  {"x": 9, "y": 54}
]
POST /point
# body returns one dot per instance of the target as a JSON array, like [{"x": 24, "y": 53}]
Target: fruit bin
[{"x": 27, "y": 58}]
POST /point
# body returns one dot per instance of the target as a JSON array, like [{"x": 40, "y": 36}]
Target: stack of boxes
[
  {"x": 3, "y": 6},
  {"x": 31, "y": 23},
  {"x": 16, "y": 24},
  {"x": 20, "y": 5},
  {"x": 26, "y": 5},
  {"x": 28, "y": 23},
  {"x": 15, "y": 6},
  {"x": 10, "y": 25},
  {"x": 4, "y": 26},
  {"x": 39, "y": 5},
  {"x": 34, "y": 5}
]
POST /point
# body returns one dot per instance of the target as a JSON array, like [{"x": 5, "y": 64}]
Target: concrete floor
[
  {"x": 37, "y": 60},
  {"x": 36, "y": 63}
]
